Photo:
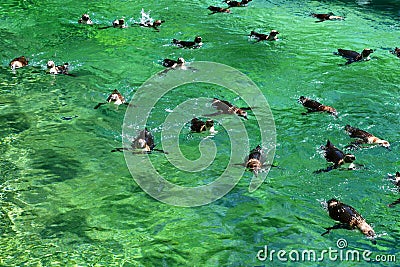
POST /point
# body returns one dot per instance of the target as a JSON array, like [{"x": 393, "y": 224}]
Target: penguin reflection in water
[
  {"x": 142, "y": 144},
  {"x": 337, "y": 157},
  {"x": 349, "y": 218},
  {"x": 396, "y": 181}
]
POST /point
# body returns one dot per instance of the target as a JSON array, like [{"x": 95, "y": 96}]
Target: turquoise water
[{"x": 67, "y": 201}]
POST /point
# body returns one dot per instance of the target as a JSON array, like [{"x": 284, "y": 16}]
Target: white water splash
[{"x": 146, "y": 19}]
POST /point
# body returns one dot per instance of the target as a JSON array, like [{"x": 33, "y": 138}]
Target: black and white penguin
[
  {"x": 337, "y": 157},
  {"x": 143, "y": 143},
  {"x": 349, "y": 218},
  {"x": 315, "y": 106},
  {"x": 170, "y": 63},
  {"x": 197, "y": 43},
  {"x": 216, "y": 9},
  {"x": 198, "y": 126},
  {"x": 363, "y": 137},
  {"x": 353, "y": 56},
  {"x": 396, "y": 52},
  {"x": 329, "y": 16},
  {"x": 18, "y": 62},
  {"x": 272, "y": 36},
  {"x": 60, "y": 69},
  {"x": 85, "y": 19},
  {"x": 115, "y": 97},
  {"x": 224, "y": 107},
  {"x": 254, "y": 160},
  {"x": 242, "y": 3}
]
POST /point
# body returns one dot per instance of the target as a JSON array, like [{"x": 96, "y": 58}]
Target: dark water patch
[
  {"x": 13, "y": 123},
  {"x": 7, "y": 169},
  {"x": 57, "y": 167},
  {"x": 71, "y": 222}
]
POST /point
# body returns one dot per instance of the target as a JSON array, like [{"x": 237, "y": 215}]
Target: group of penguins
[{"x": 144, "y": 143}]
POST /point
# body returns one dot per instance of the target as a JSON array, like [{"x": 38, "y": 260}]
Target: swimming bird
[
  {"x": 242, "y": 3},
  {"x": 253, "y": 161},
  {"x": 396, "y": 179},
  {"x": 143, "y": 143},
  {"x": 85, "y": 19},
  {"x": 189, "y": 44},
  {"x": 396, "y": 52},
  {"x": 18, "y": 62},
  {"x": 353, "y": 56},
  {"x": 119, "y": 23},
  {"x": 272, "y": 36},
  {"x": 323, "y": 17},
  {"x": 216, "y": 9},
  {"x": 224, "y": 107},
  {"x": 349, "y": 218},
  {"x": 170, "y": 63},
  {"x": 152, "y": 24},
  {"x": 337, "y": 157},
  {"x": 315, "y": 106},
  {"x": 364, "y": 137},
  {"x": 198, "y": 125},
  {"x": 115, "y": 97},
  {"x": 61, "y": 69}
]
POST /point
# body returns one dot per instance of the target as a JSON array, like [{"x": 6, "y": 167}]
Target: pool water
[{"x": 66, "y": 200}]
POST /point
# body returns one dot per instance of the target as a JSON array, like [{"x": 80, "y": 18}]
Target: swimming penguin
[
  {"x": 170, "y": 63},
  {"x": 85, "y": 19},
  {"x": 18, "y": 62},
  {"x": 119, "y": 23},
  {"x": 363, "y": 137},
  {"x": 152, "y": 24},
  {"x": 314, "y": 106},
  {"x": 272, "y": 36},
  {"x": 61, "y": 69},
  {"x": 349, "y": 218},
  {"x": 396, "y": 52},
  {"x": 242, "y": 3},
  {"x": 396, "y": 179},
  {"x": 253, "y": 161},
  {"x": 201, "y": 126},
  {"x": 224, "y": 107},
  {"x": 337, "y": 157},
  {"x": 197, "y": 43},
  {"x": 143, "y": 143},
  {"x": 216, "y": 9},
  {"x": 115, "y": 97},
  {"x": 353, "y": 56},
  {"x": 323, "y": 17}
]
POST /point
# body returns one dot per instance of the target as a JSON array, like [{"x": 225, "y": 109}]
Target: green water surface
[{"x": 66, "y": 200}]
